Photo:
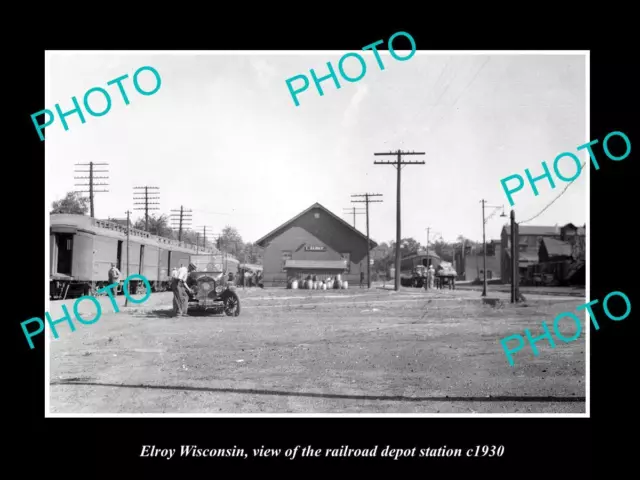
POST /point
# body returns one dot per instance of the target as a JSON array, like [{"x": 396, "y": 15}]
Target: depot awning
[{"x": 316, "y": 264}]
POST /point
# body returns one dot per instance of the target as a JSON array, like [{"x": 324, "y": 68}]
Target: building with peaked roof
[
  {"x": 556, "y": 251},
  {"x": 529, "y": 238},
  {"x": 314, "y": 242},
  {"x": 470, "y": 265}
]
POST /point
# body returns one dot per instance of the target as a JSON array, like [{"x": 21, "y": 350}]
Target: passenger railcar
[{"x": 83, "y": 248}]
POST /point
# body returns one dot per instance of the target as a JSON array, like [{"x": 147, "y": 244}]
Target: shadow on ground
[
  {"x": 168, "y": 313},
  {"x": 386, "y": 398}
]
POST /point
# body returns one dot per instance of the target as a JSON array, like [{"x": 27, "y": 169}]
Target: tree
[
  {"x": 72, "y": 203},
  {"x": 252, "y": 253},
  {"x": 157, "y": 226},
  {"x": 409, "y": 246},
  {"x": 230, "y": 241},
  {"x": 189, "y": 236}
]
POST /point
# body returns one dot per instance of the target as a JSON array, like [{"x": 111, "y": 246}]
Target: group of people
[{"x": 431, "y": 277}]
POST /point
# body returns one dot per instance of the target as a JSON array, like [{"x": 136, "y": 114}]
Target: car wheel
[{"x": 231, "y": 304}]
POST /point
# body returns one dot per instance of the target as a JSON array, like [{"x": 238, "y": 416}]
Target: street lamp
[{"x": 484, "y": 242}]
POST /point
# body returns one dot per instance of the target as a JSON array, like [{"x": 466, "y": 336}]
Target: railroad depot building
[{"x": 315, "y": 242}]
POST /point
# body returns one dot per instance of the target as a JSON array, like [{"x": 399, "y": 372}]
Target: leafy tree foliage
[{"x": 72, "y": 203}]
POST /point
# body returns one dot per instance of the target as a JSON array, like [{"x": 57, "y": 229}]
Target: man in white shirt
[
  {"x": 183, "y": 273},
  {"x": 179, "y": 289}
]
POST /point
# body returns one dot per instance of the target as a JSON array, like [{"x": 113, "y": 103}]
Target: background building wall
[{"x": 315, "y": 228}]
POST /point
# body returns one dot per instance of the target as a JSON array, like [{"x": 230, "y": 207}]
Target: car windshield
[{"x": 206, "y": 263}]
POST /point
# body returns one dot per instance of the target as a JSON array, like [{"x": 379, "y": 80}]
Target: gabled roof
[
  {"x": 556, "y": 248},
  {"x": 525, "y": 257},
  {"x": 281, "y": 228},
  {"x": 579, "y": 230}
]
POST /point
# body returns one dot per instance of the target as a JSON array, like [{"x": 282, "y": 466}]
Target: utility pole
[
  {"x": 398, "y": 165},
  {"x": 353, "y": 211},
  {"x": 484, "y": 242},
  {"x": 180, "y": 218},
  {"x": 367, "y": 201},
  {"x": 204, "y": 234},
  {"x": 484, "y": 254},
  {"x": 126, "y": 299},
  {"x": 515, "y": 276},
  {"x": 428, "y": 229},
  {"x": 92, "y": 191},
  {"x": 145, "y": 201}
]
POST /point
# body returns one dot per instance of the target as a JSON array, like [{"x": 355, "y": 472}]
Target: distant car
[
  {"x": 446, "y": 275},
  {"x": 211, "y": 289},
  {"x": 419, "y": 276}
]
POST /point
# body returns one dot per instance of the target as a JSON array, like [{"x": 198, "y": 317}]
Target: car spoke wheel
[{"x": 231, "y": 305}]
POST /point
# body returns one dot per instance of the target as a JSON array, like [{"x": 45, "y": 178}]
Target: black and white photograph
[{"x": 317, "y": 233}]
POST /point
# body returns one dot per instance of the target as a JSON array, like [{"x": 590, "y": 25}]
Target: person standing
[
  {"x": 114, "y": 276},
  {"x": 179, "y": 287},
  {"x": 177, "y": 290},
  {"x": 432, "y": 273},
  {"x": 361, "y": 279}
]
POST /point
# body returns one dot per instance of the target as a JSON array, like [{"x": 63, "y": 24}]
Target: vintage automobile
[
  {"x": 419, "y": 276},
  {"x": 446, "y": 275},
  {"x": 211, "y": 289}
]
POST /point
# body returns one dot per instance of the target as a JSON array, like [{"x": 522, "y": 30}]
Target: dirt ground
[{"x": 301, "y": 351}]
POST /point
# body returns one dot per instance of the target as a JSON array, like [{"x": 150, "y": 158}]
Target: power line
[
  {"x": 91, "y": 184},
  {"x": 367, "y": 201},
  {"x": 145, "y": 201},
  {"x": 204, "y": 234},
  {"x": 180, "y": 218},
  {"x": 553, "y": 201},
  {"x": 467, "y": 86},
  {"x": 352, "y": 211},
  {"x": 432, "y": 112},
  {"x": 398, "y": 165}
]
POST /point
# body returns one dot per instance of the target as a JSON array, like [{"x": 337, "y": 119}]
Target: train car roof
[{"x": 84, "y": 223}]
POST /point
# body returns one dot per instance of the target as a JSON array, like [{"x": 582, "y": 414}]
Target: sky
[{"x": 223, "y": 137}]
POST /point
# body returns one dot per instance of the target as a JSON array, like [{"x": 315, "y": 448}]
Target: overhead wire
[
  {"x": 464, "y": 89},
  {"x": 553, "y": 201}
]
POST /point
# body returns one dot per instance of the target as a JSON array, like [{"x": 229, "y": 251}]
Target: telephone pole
[
  {"x": 91, "y": 183},
  {"x": 428, "y": 229},
  {"x": 515, "y": 260},
  {"x": 353, "y": 211},
  {"x": 126, "y": 299},
  {"x": 367, "y": 201},
  {"x": 398, "y": 165},
  {"x": 145, "y": 201},
  {"x": 180, "y": 218},
  {"x": 204, "y": 234},
  {"x": 484, "y": 242}
]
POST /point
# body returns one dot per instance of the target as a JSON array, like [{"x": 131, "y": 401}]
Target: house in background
[
  {"x": 471, "y": 266},
  {"x": 529, "y": 238},
  {"x": 561, "y": 262}
]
